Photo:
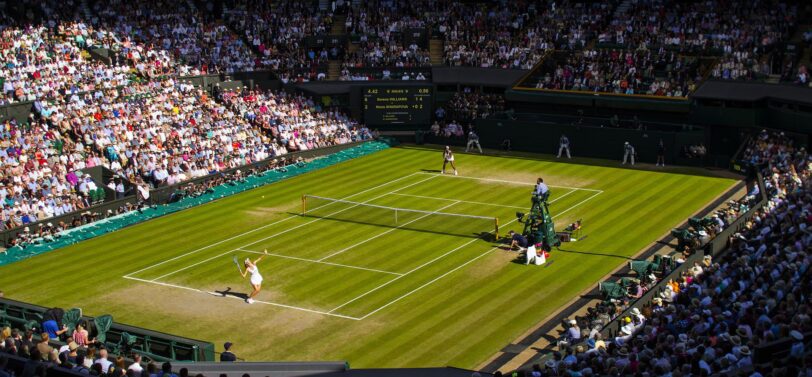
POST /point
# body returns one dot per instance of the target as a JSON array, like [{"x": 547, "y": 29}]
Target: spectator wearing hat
[
  {"x": 227, "y": 355},
  {"x": 745, "y": 361}
]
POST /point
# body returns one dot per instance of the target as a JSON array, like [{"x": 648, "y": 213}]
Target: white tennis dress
[
  {"x": 256, "y": 278},
  {"x": 448, "y": 156}
]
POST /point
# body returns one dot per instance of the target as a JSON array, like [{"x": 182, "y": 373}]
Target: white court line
[
  {"x": 330, "y": 313},
  {"x": 235, "y": 297},
  {"x": 318, "y": 261},
  {"x": 567, "y": 193},
  {"x": 409, "y": 272},
  {"x": 427, "y": 284},
  {"x": 386, "y": 232},
  {"x": 506, "y": 181},
  {"x": 460, "y": 201},
  {"x": 260, "y": 228},
  {"x": 443, "y": 275},
  {"x": 287, "y": 230},
  {"x": 577, "y": 204}
]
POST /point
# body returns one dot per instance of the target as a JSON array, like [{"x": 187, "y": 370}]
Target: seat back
[
  {"x": 103, "y": 324},
  {"x": 71, "y": 318}
]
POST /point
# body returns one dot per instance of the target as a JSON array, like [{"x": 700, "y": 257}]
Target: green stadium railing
[{"x": 153, "y": 345}]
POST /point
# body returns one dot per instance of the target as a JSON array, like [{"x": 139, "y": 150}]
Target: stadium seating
[
  {"x": 133, "y": 114},
  {"x": 739, "y": 310}
]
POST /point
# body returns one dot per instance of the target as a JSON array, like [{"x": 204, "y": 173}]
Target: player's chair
[
  {"x": 641, "y": 267},
  {"x": 611, "y": 291},
  {"x": 71, "y": 318}
]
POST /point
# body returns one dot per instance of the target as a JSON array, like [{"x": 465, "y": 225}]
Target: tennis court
[{"x": 354, "y": 256}]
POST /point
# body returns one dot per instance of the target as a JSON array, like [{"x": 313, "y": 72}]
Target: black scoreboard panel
[{"x": 397, "y": 105}]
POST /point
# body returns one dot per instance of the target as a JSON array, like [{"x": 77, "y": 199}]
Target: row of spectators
[
  {"x": 624, "y": 72},
  {"x": 469, "y": 105},
  {"x": 79, "y": 354},
  {"x": 172, "y": 37},
  {"x": 41, "y": 63},
  {"x": 155, "y": 132},
  {"x": 713, "y": 318},
  {"x": 162, "y": 38},
  {"x": 276, "y": 32},
  {"x": 700, "y": 28}
]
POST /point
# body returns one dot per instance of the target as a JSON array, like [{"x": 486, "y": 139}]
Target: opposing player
[
  {"x": 448, "y": 157},
  {"x": 256, "y": 278}
]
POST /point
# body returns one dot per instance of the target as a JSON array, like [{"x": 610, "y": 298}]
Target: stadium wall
[
  {"x": 18, "y": 111},
  {"x": 586, "y": 141}
]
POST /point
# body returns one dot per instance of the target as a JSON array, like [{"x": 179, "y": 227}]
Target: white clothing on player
[
  {"x": 256, "y": 278},
  {"x": 628, "y": 152},
  {"x": 564, "y": 145},
  {"x": 473, "y": 140},
  {"x": 448, "y": 156}
]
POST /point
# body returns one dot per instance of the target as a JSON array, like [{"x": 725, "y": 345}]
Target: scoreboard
[{"x": 397, "y": 105}]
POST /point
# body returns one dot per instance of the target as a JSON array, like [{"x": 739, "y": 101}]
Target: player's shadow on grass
[
  {"x": 430, "y": 170},
  {"x": 228, "y": 292}
]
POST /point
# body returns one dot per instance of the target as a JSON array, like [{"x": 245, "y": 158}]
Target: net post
[
  {"x": 496, "y": 224},
  {"x": 304, "y": 204}
]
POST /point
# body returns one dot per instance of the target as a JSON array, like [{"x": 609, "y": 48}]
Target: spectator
[{"x": 227, "y": 355}]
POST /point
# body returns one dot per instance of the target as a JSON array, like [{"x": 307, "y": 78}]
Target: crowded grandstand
[{"x": 156, "y": 156}]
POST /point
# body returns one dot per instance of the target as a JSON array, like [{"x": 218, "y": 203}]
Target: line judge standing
[
  {"x": 564, "y": 145},
  {"x": 628, "y": 152},
  {"x": 473, "y": 141}
]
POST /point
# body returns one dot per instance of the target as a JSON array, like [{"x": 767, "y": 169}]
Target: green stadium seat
[
  {"x": 71, "y": 318},
  {"x": 4, "y": 319},
  {"x": 31, "y": 325},
  {"x": 125, "y": 343},
  {"x": 103, "y": 324}
]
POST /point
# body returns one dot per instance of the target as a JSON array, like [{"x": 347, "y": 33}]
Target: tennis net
[{"x": 401, "y": 218}]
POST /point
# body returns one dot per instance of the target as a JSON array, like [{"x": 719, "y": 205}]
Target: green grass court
[{"x": 349, "y": 282}]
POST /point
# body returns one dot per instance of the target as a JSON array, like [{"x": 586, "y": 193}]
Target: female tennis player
[
  {"x": 448, "y": 157},
  {"x": 256, "y": 278}
]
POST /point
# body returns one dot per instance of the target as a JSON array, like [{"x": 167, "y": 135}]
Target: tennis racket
[{"x": 238, "y": 264}]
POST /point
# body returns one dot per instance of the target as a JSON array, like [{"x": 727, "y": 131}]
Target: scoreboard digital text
[{"x": 397, "y": 105}]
